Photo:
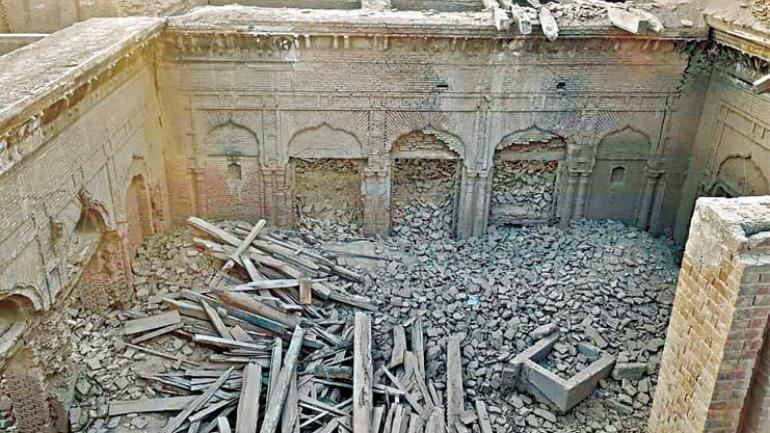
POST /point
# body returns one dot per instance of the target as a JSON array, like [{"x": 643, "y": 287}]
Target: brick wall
[{"x": 718, "y": 322}]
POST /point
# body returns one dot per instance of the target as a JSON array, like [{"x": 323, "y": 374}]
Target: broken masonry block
[
  {"x": 548, "y": 24},
  {"x": 526, "y": 374},
  {"x": 629, "y": 370}
]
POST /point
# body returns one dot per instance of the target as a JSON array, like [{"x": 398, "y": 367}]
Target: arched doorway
[
  {"x": 426, "y": 175},
  {"x": 525, "y": 182}
]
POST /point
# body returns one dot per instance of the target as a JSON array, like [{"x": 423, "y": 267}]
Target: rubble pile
[
  {"x": 602, "y": 284},
  {"x": 522, "y": 191},
  {"x": 424, "y": 192},
  {"x": 451, "y": 316},
  {"x": 328, "y": 189}
]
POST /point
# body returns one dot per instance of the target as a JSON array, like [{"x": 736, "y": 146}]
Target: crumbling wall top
[{"x": 46, "y": 70}]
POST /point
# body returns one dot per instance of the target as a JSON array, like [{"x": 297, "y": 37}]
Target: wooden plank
[
  {"x": 278, "y": 394},
  {"x": 410, "y": 360},
  {"x": 156, "y": 333},
  {"x": 415, "y": 424},
  {"x": 407, "y": 395},
  {"x": 363, "y": 396},
  {"x": 398, "y": 419},
  {"x": 435, "y": 423},
  {"x": 484, "y": 421},
  {"x": 145, "y": 324},
  {"x": 275, "y": 365},
  {"x": 254, "y": 274},
  {"x": 762, "y": 85},
  {"x": 248, "y": 404},
  {"x": 290, "y": 415},
  {"x": 161, "y": 354},
  {"x": 455, "y": 396},
  {"x": 211, "y": 425},
  {"x": 221, "y": 342},
  {"x": 377, "y": 414},
  {"x": 305, "y": 291},
  {"x": 204, "y": 398},
  {"x": 216, "y": 320},
  {"x": 289, "y": 283},
  {"x": 223, "y": 425},
  {"x": 247, "y": 303},
  {"x": 399, "y": 346},
  {"x": 240, "y": 335},
  {"x": 418, "y": 345},
  {"x": 214, "y": 408},
  {"x": 150, "y": 405}
]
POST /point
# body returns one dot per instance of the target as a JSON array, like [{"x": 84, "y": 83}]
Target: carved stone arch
[
  {"x": 626, "y": 143},
  {"x": 325, "y": 141},
  {"x": 231, "y": 139},
  {"x": 96, "y": 211},
  {"x": 739, "y": 175},
  {"x": 440, "y": 124}
]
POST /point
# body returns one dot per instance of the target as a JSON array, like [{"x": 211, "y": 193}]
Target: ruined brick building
[{"x": 116, "y": 128}]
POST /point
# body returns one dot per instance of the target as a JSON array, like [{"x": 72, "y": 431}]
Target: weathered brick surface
[{"x": 711, "y": 369}]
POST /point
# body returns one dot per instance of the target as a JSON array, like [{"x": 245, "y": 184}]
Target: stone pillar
[
  {"x": 718, "y": 322},
  {"x": 568, "y": 198},
  {"x": 276, "y": 208},
  {"x": 375, "y": 190},
  {"x": 473, "y": 203},
  {"x": 581, "y": 198},
  {"x": 652, "y": 177}
]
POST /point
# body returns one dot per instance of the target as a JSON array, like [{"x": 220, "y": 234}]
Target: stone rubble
[{"x": 601, "y": 284}]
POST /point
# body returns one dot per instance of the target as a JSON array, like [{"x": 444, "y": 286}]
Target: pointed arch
[
  {"x": 231, "y": 139},
  {"x": 325, "y": 141},
  {"x": 427, "y": 143},
  {"x": 626, "y": 143},
  {"x": 741, "y": 176}
]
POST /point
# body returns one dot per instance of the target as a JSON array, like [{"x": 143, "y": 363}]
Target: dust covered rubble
[{"x": 601, "y": 283}]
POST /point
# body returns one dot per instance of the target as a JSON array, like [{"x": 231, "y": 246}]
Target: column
[
  {"x": 718, "y": 322},
  {"x": 375, "y": 191},
  {"x": 582, "y": 195},
  {"x": 648, "y": 198},
  {"x": 568, "y": 198},
  {"x": 472, "y": 206}
]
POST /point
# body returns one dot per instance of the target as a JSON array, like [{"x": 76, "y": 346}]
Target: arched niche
[
  {"x": 625, "y": 144},
  {"x": 138, "y": 213},
  {"x": 20, "y": 302},
  {"x": 740, "y": 176},
  {"x": 325, "y": 174},
  {"x": 525, "y": 177},
  {"x": 231, "y": 139},
  {"x": 325, "y": 141},
  {"x": 618, "y": 178},
  {"x": 425, "y": 180}
]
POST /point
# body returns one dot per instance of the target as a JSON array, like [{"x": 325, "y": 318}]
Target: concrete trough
[{"x": 526, "y": 374}]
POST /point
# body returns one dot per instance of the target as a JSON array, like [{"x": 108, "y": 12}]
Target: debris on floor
[{"x": 600, "y": 288}]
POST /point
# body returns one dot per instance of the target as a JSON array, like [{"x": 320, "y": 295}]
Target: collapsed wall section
[{"x": 81, "y": 178}]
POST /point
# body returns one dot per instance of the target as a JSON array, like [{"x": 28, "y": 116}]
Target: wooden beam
[
  {"x": 481, "y": 412},
  {"x": 275, "y": 405},
  {"x": 151, "y": 323},
  {"x": 248, "y": 404},
  {"x": 418, "y": 345},
  {"x": 204, "y": 398},
  {"x": 216, "y": 321},
  {"x": 454, "y": 381},
  {"x": 399, "y": 346},
  {"x": 363, "y": 396},
  {"x": 223, "y": 425}
]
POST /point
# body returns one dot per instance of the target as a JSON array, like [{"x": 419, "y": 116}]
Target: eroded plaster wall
[
  {"x": 70, "y": 171},
  {"x": 353, "y": 96},
  {"x": 731, "y": 154}
]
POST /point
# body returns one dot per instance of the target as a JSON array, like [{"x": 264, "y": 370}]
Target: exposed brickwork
[{"x": 718, "y": 322}]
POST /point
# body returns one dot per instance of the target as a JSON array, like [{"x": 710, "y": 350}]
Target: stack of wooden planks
[
  {"x": 281, "y": 354},
  {"x": 289, "y": 349}
]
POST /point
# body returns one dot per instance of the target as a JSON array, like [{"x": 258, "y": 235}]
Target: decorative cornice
[{"x": 749, "y": 40}]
